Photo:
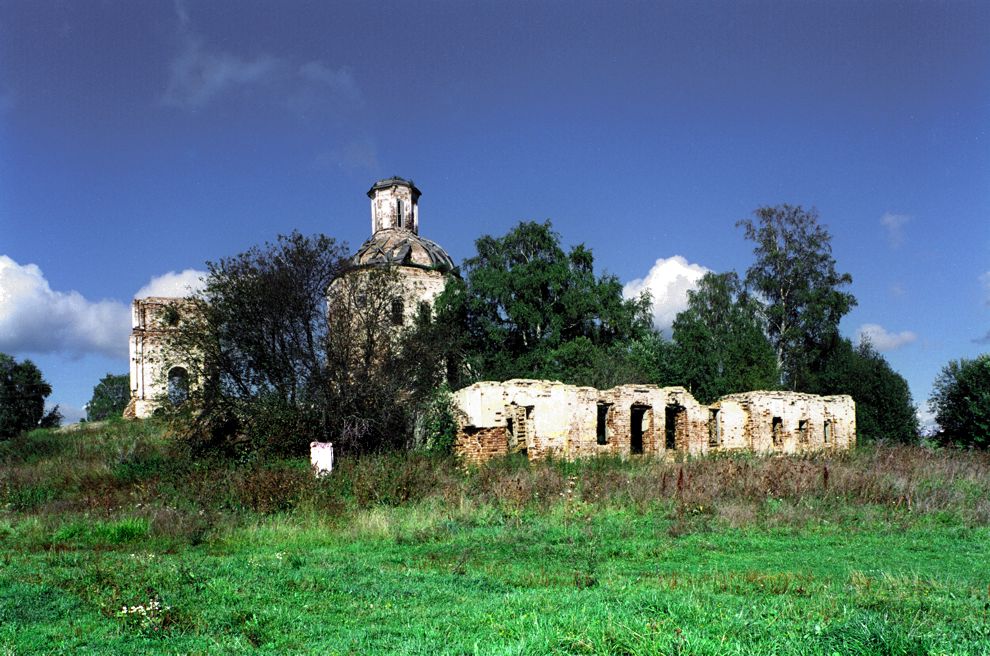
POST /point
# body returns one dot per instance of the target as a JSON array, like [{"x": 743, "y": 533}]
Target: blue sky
[{"x": 143, "y": 138}]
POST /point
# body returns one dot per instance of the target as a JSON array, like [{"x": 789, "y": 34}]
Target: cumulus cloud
[
  {"x": 894, "y": 225},
  {"x": 882, "y": 339},
  {"x": 668, "y": 282},
  {"x": 34, "y": 318},
  {"x": 37, "y": 319},
  {"x": 183, "y": 283}
]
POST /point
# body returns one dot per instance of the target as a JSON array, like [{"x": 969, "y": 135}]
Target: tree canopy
[
  {"x": 795, "y": 277},
  {"x": 533, "y": 310},
  {"x": 110, "y": 397},
  {"x": 884, "y": 408},
  {"x": 961, "y": 402},
  {"x": 23, "y": 391},
  {"x": 720, "y": 344}
]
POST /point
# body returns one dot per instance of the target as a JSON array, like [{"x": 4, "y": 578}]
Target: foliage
[
  {"x": 720, "y": 345},
  {"x": 23, "y": 391},
  {"x": 884, "y": 408},
  {"x": 794, "y": 277},
  {"x": 961, "y": 402},
  {"x": 110, "y": 397},
  {"x": 439, "y": 422},
  {"x": 366, "y": 402},
  {"x": 532, "y": 310}
]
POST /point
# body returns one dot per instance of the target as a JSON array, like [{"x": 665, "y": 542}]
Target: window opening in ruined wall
[
  {"x": 672, "y": 417},
  {"x": 517, "y": 426},
  {"x": 714, "y": 428},
  {"x": 602, "y": 427},
  {"x": 777, "y": 430},
  {"x": 803, "y": 431},
  {"x": 397, "y": 311},
  {"x": 828, "y": 431},
  {"x": 178, "y": 385},
  {"x": 398, "y": 214}
]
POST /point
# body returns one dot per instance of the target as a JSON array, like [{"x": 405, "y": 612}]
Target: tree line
[{"x": 280, "y": 362}]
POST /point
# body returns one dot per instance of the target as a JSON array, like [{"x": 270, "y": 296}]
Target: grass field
[{"x": 883, "y": 551}]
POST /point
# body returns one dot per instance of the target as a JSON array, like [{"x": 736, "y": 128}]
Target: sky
[{"x": 139, "y": 140}]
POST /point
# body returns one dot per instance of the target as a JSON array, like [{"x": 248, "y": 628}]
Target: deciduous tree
[
  {"x": 110, "y": 397},
  {"x": 961, "y": 402},
  {"x": 795, "y": 278},
  {"x": 884, "y": 408},
  {"x": 532, "y": 310},
  {"x": 720, "y": 344},
  {"x": 23, "y": 391}
]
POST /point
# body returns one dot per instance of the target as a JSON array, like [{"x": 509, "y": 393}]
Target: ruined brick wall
[
  {"x": 550, "y": 418},
  {"x": 790, "y": 422}
]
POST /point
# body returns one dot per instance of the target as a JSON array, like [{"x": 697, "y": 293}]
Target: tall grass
[{"x": 134, "y": 469}]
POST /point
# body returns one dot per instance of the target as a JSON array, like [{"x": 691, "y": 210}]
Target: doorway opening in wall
[
  {"x": 639, "y": 419},
  {"x": 178, "y": 385},
  {"x": 803, "y": 431},
  {"x": 673, "y": 416},
  {"x": 602, "y": 425},
  {"x": 517, "y": 424},
  {"x": 714, "y": 428},
  {"x": 777, "y": 430}
]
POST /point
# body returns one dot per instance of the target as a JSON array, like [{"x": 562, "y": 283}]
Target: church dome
[{"x": 393, "y": 246}]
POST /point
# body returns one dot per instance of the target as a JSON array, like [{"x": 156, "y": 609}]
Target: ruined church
[{"x": 538, "y": 418}]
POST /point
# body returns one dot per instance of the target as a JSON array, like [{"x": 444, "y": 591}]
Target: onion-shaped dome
[{"x": 403, "y": 248}]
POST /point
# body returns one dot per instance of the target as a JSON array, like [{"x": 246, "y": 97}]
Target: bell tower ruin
[{"x": 394, "y": 205}]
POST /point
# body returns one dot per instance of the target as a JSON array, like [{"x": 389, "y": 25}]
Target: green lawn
[{"x": 447, "y": 574}]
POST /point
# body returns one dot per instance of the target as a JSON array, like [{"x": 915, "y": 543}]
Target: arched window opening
[{"x": 178, "y": 385}]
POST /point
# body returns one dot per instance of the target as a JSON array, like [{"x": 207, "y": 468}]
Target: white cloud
[
  {"x": 183, "y": 283},
  {"x": 37, "y": 319},
  {"x": 200, "y": 75},
  {"x": 882, "y": 339},
  {"x": 34, "y": 318},
  {"x": 668, "y": 282},
  {"x": 197, "y": 75},
  {"x": 894, "y": 224}
]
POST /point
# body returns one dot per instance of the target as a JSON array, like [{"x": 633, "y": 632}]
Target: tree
[
  {"x": 961, "y": 402},
  {"x": 720, "y": 345},
  {"x": 258, "y": 339},
  {"x": 532, "y": 310},
  {"x": 884, "y": 408},
  {"x": 367, "y": 398},
  {"x": 23, "y": 391},
  {"x": 795, "y": 278},
  {"x": 110, "y": 397}
]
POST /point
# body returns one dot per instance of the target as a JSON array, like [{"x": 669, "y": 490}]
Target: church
[
  {"x": 421, "y": 265},
  {"x": 535, "y": 417}
]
